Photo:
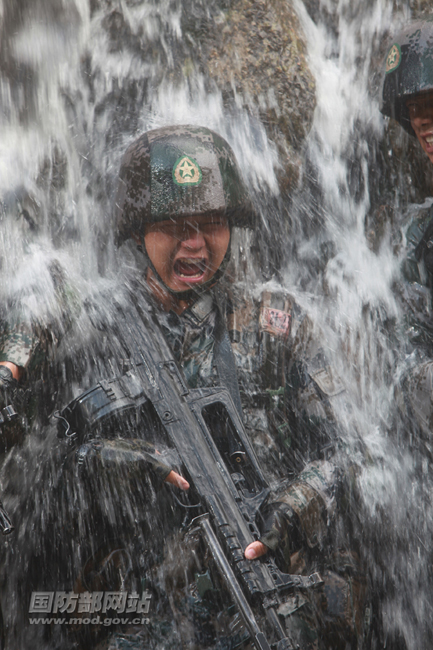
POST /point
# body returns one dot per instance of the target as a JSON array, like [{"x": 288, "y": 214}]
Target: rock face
[
  {"x": 253, "y": 50},
  {"x": 256, "y": 50}
]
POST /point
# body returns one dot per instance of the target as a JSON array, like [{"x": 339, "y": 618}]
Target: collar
[{"x": 202, "y": 306}]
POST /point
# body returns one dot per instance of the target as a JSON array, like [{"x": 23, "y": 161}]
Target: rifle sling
[{"x": 225, "y": 361}]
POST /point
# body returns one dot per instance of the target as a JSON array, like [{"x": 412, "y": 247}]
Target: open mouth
[{"x": 189, "y": 269}]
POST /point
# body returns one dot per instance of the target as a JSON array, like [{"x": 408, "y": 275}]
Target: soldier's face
[
  {"x": 187, "y": 252},
  {"x": 421, "y": 118}
]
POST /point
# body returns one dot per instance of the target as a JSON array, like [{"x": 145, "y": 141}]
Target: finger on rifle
[
  {"x": 255, "y": 550},
  {"x": 177, "y": 480}
]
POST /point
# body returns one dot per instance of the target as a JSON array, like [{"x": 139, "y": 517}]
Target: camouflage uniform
[
  {"x": 417, "y": 273},
  {"x": 18, "y": 344},
  {"x": 416, "y": 399},
  {"x": 287, "y": 390}
]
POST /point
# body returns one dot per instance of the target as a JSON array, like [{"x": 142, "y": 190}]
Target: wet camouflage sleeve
[
  {"x": 28, "y": 338},
  {"x": 415, "y": 292},
  {"x": 18, "y": 344},
  {"x": 288, "y": 388},
  {"x": 312, "y": 387},
  {"x": 311, "y": 497}
]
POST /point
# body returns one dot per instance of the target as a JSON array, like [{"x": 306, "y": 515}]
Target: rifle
[
  {"x": 218, "y": 460},
  {"x": 7, "y": 414}
]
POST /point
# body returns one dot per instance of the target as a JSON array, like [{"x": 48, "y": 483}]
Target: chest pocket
[{"x": 259, "y": 334}]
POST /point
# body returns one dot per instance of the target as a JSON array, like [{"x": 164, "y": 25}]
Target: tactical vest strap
[{"x": 225, "y": 361}]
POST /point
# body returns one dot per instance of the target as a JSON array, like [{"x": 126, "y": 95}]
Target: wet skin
[
  {"x": 187, "y": 253},
  {"x": 421, "y": 118}
]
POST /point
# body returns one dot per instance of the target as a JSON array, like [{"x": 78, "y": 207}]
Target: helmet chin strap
[{"x": 195, "y": 292}]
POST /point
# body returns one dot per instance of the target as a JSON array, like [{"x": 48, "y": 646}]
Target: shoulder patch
[
  {"x": 393, "y": 58},
  {"x": 186, "y": 171},
  {"x": 275, "y": 321},
  {"x": 328, "y": 382}
]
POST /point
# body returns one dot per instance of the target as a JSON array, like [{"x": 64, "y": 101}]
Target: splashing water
[
  {"x": 81, "y": 79},
  {"x": 361, "y": 307}
]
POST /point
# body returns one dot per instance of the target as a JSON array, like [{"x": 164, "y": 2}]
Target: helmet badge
[
  {"x": 393, "y": 59},
  {"x": 186, "y": 171}
]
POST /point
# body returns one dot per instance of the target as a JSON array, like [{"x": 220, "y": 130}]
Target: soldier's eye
[
  {"x": 215, "y": 223},
  {"x": 212, "y": 224}
]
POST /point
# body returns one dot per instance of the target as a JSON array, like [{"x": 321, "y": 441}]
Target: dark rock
[{"x": 256, "y": 51}]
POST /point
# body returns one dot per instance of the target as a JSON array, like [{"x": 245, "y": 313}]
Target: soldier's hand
[
  {"x": 177, "y": 480},
  {"x": 281, "y": 532},
  {"x": 9, "y": 374},
  {"x": 15, "y": 370},
  {"x": 174, "y": 478},
  {"x": 255, "y": 550}
]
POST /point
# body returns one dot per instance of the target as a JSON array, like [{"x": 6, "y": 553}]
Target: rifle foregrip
[
  {"x": 231, "y": 581},
  {"x": 259, "y": 639}
]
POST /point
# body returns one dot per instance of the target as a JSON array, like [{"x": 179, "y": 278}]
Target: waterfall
[
  {"x": 79, "y": 80},
  {"x": 347, "y": 43}
]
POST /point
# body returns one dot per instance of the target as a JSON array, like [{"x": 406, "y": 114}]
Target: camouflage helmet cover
[
  {"x": 409, "y": 70},
  {"x": 179, "y": 171}
]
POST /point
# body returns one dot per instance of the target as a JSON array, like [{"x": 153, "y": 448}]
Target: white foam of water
[
  {"x": 358, "y": 281},
  {"x": 192, "y": 104},
  {"x": 359, "y": 302}
]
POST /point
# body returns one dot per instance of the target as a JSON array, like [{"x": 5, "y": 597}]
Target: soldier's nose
[{"x": 193, "y": 239}]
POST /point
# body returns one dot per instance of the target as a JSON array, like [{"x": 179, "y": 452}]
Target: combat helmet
[
  {"x": 179, "y": 171},
  {"x": 408, "y": 70}
]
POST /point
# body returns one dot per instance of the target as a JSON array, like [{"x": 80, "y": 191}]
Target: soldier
[
  {"x": 180, "y": 198},
  {"x": 408, "y": 98},
  {"x": 18, "y": 346},
  {"x": 27, "y": 344}
]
